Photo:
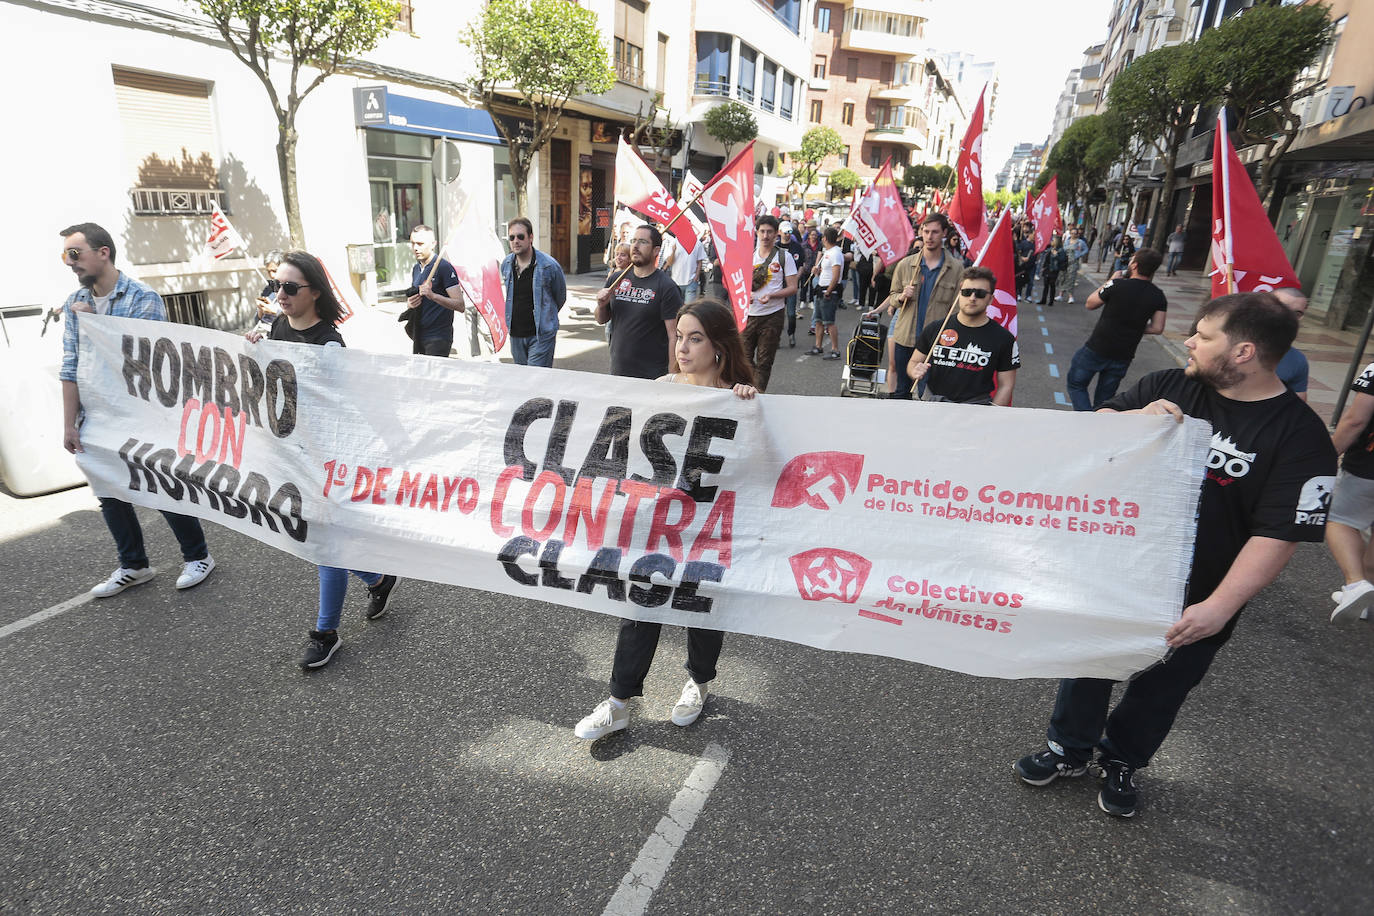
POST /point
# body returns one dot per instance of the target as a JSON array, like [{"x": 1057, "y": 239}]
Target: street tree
[
  {"x": 817, "y": 144},
  {"x": 648, "y": 132},
  {"x": 843, "y": 181},
  {"x": 542, "y": 52},
  {"x": 732, "y": 124},
  {"x": 918, "y": 178},
  {"x": 1158, "y": 95},
  {"x": 1261, "y": 52},
  {"x": 1069, "y": 157},
  {"x": 320, "y": 35}
]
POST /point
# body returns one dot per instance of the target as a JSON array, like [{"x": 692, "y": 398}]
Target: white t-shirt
[
  {"x": 832, "y": 260},
  {"x": 101, "y": 304},
  {"x": 779, "y": 258},
  {"x": 684, "y": 269}
]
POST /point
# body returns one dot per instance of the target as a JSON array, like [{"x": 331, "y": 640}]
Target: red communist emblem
[
  {"x": 821, "y": 480},
  {"x": 828, "y": 572}
]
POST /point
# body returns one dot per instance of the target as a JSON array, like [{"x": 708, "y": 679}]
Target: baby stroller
[{"x": 864, "y": 365}]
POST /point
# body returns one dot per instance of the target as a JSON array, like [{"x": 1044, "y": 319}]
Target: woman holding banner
[
  {"x": 309, "y": 312},
  {"x": 709, "y": 353}
]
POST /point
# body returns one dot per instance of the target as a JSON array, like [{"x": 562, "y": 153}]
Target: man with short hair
[
  {"x": 1131, "y": 308},
  {"x": 1176, "y": 242},
  {"x": 1077, "y": 250},
  {"x": 643, "y": 304},
  {"x": 429, "y": 312},
  {"x": 1292, "y": 370},
  {"x": 90, "y": 252},
  {"x": 774, "y": 279},
  {"x": 924, "y": 287},
  {"x": 1266, "y": 487},
  {"x": 535, "y": 290},
  {"x": 968, "y": 358}
]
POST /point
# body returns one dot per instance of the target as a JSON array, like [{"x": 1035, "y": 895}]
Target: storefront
[{"x": 1326, "y": 224}]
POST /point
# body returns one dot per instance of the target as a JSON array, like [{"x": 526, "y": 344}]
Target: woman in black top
[{"x": 309, "y": 312}]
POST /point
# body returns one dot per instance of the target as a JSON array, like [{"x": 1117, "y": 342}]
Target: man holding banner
[{"x": 1267, "y": 486}]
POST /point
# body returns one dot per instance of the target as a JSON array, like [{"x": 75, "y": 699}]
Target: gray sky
[{"x": 1035, "y": 46}]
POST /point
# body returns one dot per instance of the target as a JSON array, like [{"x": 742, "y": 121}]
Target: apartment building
[
  {"x": 1064, "y": 107},
  {"x": 1022, "y": 167}
]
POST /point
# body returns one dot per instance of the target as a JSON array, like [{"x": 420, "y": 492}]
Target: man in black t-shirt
[
  {"x": 1267, "y": 486},
  {"x": 972, "y": 359},
  {"x": 429, "y": 313},
  {"x": 644, "y": 305},
  {"x": 1132, "y": 307},
  {"x": 1352, "y": 504}
]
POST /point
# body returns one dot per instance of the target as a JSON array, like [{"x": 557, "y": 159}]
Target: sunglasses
[
  {"x": 291, "y": 288},
  {"x": 516, "y": 238},
  {"x": 70, "y": 255},
  {"x": 975, "y": 293}
]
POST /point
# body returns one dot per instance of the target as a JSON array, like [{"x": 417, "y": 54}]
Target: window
[
  {"x": 875, "y": 157},
  {"x": 852, "y": 69},
  {"x": 844, "y": 157},
  {"x": 713, "y": 64},
  {"x": 662, "y": 61},
  {"x": 818, "y": 69},
  {"x": 788, "y": 12},
  {"x": 748, "y": 63},
  {"x": 170, "y": 150},
  {"x": 186, "y": 308},
  {"x": 789, "y": 92},
  {"x": 885, "y": 73},
  {"x": 815, "y": 111},
  {"x": 629, "y": 41},
  {"x": 822, "y": 18},
  {"x": 405, "y": 17},
  {"x": 769, "y": 90},
  {"x": 847, "y": 113},
  {"x": 629, "y": 62}
]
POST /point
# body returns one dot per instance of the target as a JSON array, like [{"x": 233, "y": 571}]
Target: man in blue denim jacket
[
  {"x": 90, "y": 252},
  {"x": 535, "y": 291}
]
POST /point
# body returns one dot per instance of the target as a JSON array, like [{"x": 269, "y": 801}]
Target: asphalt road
[{"x": 160, "y": 752}]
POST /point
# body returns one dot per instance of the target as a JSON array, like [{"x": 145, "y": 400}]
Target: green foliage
[
  {"x": 817, "y": 144},
  {"x": 732, "y": 124},
  {"x": 1158, "y": 93},
  {"x": 919, "y": 177},
  {"x": 1004, "y": 197},
  {"x": 843, "y": 181}
]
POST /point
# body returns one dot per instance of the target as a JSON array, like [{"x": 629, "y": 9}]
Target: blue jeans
[
  {"x": 333, "y": 588},
  {"x": 122, "y": 521},
  {"x": 792, "y": 314},
  {"x": 1171, "y": 267},
  {"x": 436, "y": 346},
  {"x": 1087, "y": 363},
  {"x": 534, "y": 351},
  {"x": 900, "y": 357}
]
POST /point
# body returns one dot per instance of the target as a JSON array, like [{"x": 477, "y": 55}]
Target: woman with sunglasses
[
  {"x": 711, "y": 354},
  {"x": 309, "y": 312}
]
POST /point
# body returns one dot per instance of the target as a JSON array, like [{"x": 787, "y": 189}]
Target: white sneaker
[
  {"x": 195, "y": 572},
  {"x": 1070, "y": 300},
  {"x": 603, "y": 720},
  {"x": 689, "y": 705},
  {"x": 121, "y": 579},
  {"x": 1356, "y": 600}
]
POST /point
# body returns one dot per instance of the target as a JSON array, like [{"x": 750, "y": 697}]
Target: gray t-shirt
[{"x": 639, "y": 306}]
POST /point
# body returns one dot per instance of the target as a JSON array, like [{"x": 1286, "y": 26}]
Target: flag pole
[{"x": 1226, "y": 197}]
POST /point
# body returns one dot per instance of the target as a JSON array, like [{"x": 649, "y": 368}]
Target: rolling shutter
[{"x": 169, "y": 130}]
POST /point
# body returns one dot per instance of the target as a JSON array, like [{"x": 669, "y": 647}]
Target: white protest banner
[{"x": 996, "y": 542}]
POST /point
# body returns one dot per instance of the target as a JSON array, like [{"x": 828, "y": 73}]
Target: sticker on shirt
[
  {"x": 1314, "y": 501},
  {"x": 949, "y": 337},
  {"x": 1225, "y": 456},
  {"x": 1366, "y": 380}
]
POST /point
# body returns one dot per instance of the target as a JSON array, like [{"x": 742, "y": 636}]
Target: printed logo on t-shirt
[
  {"x": 628, "y": 292},
  {"x": 1366, "y": 380},
  {"x": 1225, "y": 456},
  {"x": 1314, "y": 501},
  {"x": 949, "y": 337},
  {"x": 1015, "y": 352},
  {"x": 971, "y": 356}
]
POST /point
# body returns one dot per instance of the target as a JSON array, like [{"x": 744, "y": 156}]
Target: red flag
[
  {"x": 222, "y": 239},
  {"x": 729, "y": 204},
  {"x": 999, "y": 256},
  {"x": 1246, "y": 253},
  {"x": 966, "y": 210},
  {"x": 1044, "y": 213},
  {"x": 638, "y": 188},
  {"x": 477, "y": 262},
  {"x": 879, "y": 224},
  {"x": 938, "y": 205}
]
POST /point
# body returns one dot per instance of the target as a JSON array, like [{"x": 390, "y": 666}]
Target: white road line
[
  {"x": 48, "y": 614},
  {"x": 1060, "y": 399},
  {"x": 1045, "y": 331},
  {"x": 1041, "y": 317},
  {"x": 651, "y": 866},
  {"x": 1054, "y": 371},
  {"x": 1049, "y": 349}
]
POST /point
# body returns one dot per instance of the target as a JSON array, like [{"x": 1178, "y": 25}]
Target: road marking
[
  {"x": 631, "y": 898},
  {"x": 1041, "y": 317},
  {"x": 1045, "y": 331},
  {"x": 1054, "y": 371},
  {"x": 1060, "y": 399},
  {"x": 48, "y": 614},
  {"x": 1049, "y": 348}
]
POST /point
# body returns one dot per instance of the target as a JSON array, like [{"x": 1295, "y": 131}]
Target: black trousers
[{"x": 634, "y": 653}]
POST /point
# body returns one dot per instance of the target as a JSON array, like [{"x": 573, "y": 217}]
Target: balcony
[
  {"x": 627, "y": 72},
  {"x": 897, "y": 92},
  {"x": 900, "y": 134},
  {"x": 175, "y": 201},
  {"x": 852, "y": 39},
  {"x": 1087, "y": 97},
  {"x": 706, "y": 86}
]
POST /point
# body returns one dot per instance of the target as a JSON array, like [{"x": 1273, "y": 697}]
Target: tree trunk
[
  {"x": 520, "y": 176},
  {"x": 286, "y": 166},
  {"x": 1164, "y": 207}
]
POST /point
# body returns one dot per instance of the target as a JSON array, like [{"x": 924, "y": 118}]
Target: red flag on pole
[
  {"x": 966, "y": 210},
  {"x": 222, "y": 239},
  {"x": 938, "y": 204},
  {"x": 1044, "y": 214},
  {"x": 879, "y": 224},
  {"x": 999, "y": 256},
  {"x": 729, "y": 205},
  {"x": 638, "y": 188},
  {"x": 1246, "y": 253}
]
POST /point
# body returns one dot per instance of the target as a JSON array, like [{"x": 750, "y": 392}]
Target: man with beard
[
  {"x": 643, "y": 305},
  {"x": 90, "y": 252},
  {"x": 1268, "y": 484}
]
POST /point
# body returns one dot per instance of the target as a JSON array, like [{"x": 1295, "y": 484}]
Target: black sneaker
[
  {"x": 320, "y": 649},
  {"x": 1118, "y": 796},
  {"x": 1044, "y": 767},
  {"x": 814, "y": 351},
  {"x": 379, "y": 597}
]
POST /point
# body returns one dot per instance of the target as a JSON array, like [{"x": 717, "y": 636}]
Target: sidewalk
[{"x": 1328, "y": 351}]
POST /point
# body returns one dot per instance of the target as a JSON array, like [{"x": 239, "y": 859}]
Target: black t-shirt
[
  {"x": 639, "y": 306},
  {"x": 321, "y": 333},
  {"x": 436, "y": 322},
  {"x": 522, "y": 301},
  {"x": 1127, "y": 307},
  {"x": 964, "y": 362},
  {"x": 1359, "y": 458},
  {"x": 1269, "y": 473}
]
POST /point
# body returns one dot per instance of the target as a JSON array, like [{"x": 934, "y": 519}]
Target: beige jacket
[{"x": 908, "y": 272}]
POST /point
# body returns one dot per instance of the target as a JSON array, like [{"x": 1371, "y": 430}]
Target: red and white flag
[
  {"x": 691, "y": 190},
  {"x": 938, "y": 204},
  {"x": 999, "y": 256},
  {"x": 637, "y": 187},
  {"x": 1246, "y": 253},
  {"x": 223, "y": 239},
  {"x": 879, "y": 223},
  {"x": 475, "y": 253},
  {"x": 966, "y": 209},
  {"x": 729, "y": 204},
  {"x": 1044, "y": 214}
]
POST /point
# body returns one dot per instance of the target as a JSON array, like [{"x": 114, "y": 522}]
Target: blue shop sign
[{"x": 374, "y": 106}]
